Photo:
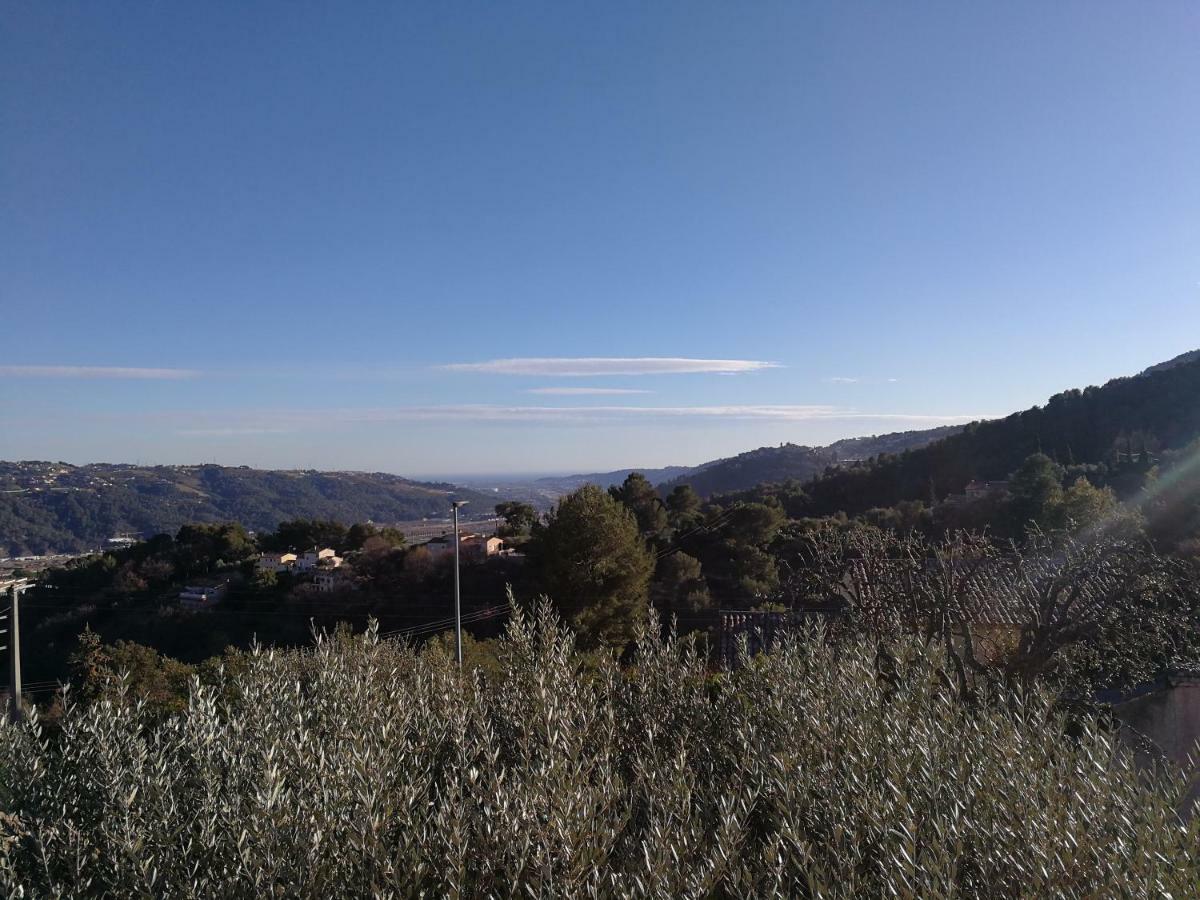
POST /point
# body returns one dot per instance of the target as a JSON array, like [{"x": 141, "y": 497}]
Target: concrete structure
[
  {"x": 1160, "y": 723},
  {"x": 202, "y": 596}
]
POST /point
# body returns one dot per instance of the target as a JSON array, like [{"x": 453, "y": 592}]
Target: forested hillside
[
  {"x": 564, "y": 484},
  {"x": 54, "y": 507},
  {"x": 1144, "y": 415},
  {"x": 797, "y": 462}
]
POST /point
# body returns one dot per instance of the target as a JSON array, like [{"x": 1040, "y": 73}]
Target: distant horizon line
[{"x": 434, "y": 477}]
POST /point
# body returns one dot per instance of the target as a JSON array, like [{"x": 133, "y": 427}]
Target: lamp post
[
  {"x": 15, "y": 711},
  {"x": 454, "y": 505}
]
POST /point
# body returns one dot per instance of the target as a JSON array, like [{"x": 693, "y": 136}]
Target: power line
[
  {"x": 420, "y": 630},
  {"x": 402, "y": 604},
  {"x": 704, "y": 526},
  {"x": 440, "y": 624}
]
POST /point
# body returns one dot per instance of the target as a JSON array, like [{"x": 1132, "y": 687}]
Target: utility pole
[
  {"x": 457, "y": 593},
  {"x": 14, "y": 652}
]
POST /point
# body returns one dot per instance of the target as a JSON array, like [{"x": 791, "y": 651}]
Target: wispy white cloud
[
  {"x": 285, "y": 421},
  {"x": 585, "y": 391},
  {"x": 93, "y": 372},
  {"x": 855, "y": 379},
  {"x": 230, "y": 432},
  {"x": 606, "y": 365}
]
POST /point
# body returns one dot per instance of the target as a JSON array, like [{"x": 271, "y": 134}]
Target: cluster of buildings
[
  {"x": 471, "y": 547},
  {"x": 322, "y": 563},
  {"x": 308, "y": 561},
  {"x": 324, "y": 572}
]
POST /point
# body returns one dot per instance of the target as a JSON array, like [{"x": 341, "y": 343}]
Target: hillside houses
[
  {"x": 471, "y": 547},
  {"x": 320, "y": 568},
  {"x": 276, "y": 562},
  {"x": 311, "y": 559},
  {"x": 308, "y": 561}
]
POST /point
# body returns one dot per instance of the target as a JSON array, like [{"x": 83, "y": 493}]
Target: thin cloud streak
[
  {"x": 278, "y": 421},
  {"x": 854, "y": 379},
  {"x": 229, "y": 432},
  {"x": 581, "y": 367},
  {"x": 94, "y": 372},
  {"x": 585, "y": 391}
]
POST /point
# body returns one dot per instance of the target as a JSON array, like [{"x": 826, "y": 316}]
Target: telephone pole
[
  {"x": 457, "y": 593},
  {"x": 13, "y": 633}
]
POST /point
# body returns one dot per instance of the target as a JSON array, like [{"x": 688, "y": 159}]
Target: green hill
[
  {"x": 1154, "y": 412},
  {"x": 55, "y": 507},
  {"x": 798, "y": 462}
]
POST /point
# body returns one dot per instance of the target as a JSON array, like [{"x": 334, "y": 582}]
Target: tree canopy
[{"x": 594, "y": 565}]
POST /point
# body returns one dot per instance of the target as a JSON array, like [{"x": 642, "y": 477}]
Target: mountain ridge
[
  {"x": 1154, "y": 411},
  {"x": 798, "y": 462},
  {"x": 57, "y": 507}
]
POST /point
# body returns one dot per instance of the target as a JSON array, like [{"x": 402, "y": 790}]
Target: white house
[
  {"x": 276, "y": 562},
  {"x": 310, "y": 559}
]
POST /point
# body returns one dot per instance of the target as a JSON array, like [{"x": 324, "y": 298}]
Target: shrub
[{"x": 363, "y": 768}]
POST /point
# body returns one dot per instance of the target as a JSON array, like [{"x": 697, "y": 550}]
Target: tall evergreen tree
[
  {"x": 594, "y": 565},
  {"x": 640, "y": 497},
  {"x": 1036, "y": 489}
]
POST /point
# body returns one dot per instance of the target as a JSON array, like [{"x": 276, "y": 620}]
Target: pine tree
[{"x": 595, "y": 566}]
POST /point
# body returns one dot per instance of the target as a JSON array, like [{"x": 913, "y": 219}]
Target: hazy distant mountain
[
  {"x": 754, "y": 466},
  {"x": 48, "y": 507},
  {"x": 564, "y": 484},
  {"x": 795, "y": 461}
]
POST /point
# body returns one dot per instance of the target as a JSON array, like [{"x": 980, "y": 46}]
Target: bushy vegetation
[{"x": 845, "y": 768}]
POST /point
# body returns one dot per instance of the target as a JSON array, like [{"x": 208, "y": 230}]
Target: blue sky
[{"x": 289, "y": 234}]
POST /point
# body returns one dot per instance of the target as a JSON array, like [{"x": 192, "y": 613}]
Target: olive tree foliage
[
  {"x": 365, "y": 768},
  {"x": 1083, "y": 612}
]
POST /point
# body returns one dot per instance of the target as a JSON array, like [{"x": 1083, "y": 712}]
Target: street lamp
[
  {"x": 15, "y": 711},
  {"x": 454, "y": 505}
]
